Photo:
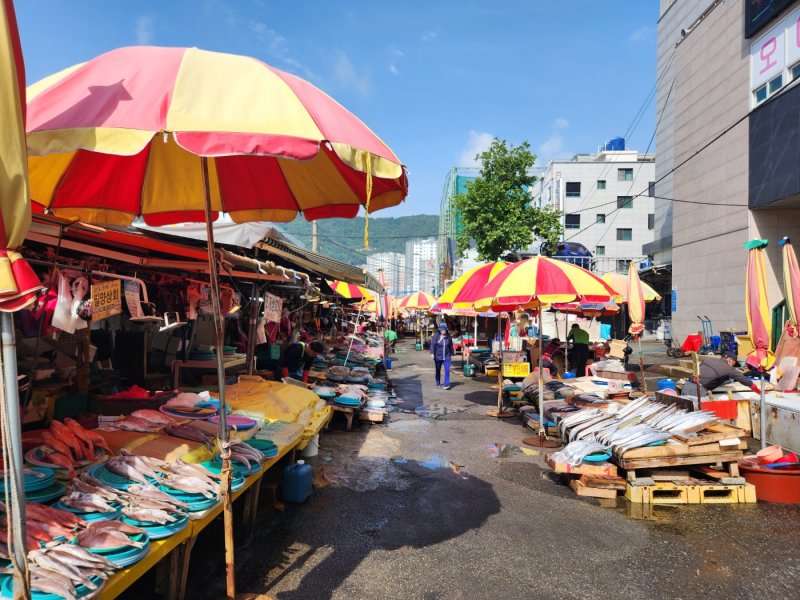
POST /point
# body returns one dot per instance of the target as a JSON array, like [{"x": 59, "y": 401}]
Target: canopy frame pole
[
  {"x": 219, "y": 337},
  {"x": 251, "y": 330},
  {"x": 12, "y": 433},
  {"x": 352, "y": 337}
]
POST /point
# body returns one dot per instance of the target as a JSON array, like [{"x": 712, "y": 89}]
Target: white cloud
[
  {"x": 477, "y": 142},
  {"x": 553, "y": 146},
  {"x": 144, "y": 30},
  {"x": 274, "y": 42},
  {"x": 345, "y": 75},
  {"x": 644, "y": 34},
  {"x": 428, "y": 36},
  {"x": 397, "y": 52},
  {"x": 393, "y": 70}
]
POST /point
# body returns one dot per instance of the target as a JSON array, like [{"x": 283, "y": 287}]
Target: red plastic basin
[{"x": 772, "y": 485}]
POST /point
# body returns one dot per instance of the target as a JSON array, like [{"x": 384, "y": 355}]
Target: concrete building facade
[
  {"x": 393, "y": 265},
  {"x": 606, "y": 203},
  {"x": 727, "y": 153}
]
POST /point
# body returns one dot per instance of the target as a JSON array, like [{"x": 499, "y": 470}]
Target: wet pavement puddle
[{"x": 509, "y": 451}]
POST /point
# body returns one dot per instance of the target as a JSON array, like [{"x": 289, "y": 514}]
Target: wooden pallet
[
  {"x": 690, "y": 491},
  {"x": 580, "y": 488},
  {"x": 603, "y": 468}
]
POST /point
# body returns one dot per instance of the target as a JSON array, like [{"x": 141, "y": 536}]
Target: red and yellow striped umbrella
[
  {"x": 619, "y": 283},
  {"x": 462, "y": 293},
  {"x": 351, "y": 290},
  {"x": 635, "y": 295},
  {"x": 587, "y": 310},
  {"x": 107, "y": 137},
  {"x": 759, "y": 323},
  {"x": 417, "y": 301},
  {"x": 791, "y": 284},
  {"x": 541, "y": 281}
]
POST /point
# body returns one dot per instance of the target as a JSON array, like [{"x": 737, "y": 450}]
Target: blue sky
[{"x": 436, "y": 80}]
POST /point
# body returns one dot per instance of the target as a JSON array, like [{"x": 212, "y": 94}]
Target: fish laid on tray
[
  {"x": 109, "y": 534},
  {"x": 43, "y": 524},
  {"x": 69, "y": 444},
  {"x": 639, "y": 423},
  {"x": 57, "y": 568}
]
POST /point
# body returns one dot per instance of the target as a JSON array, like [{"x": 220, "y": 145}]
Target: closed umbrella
[
  {"x": 534, "y": 284},
  {"x": 635, "y": 298},
  {"x": 791, "y": 284},
  {"x": 18, "y": 283},
  {"x": 182, "y": 134},
  {"x": 759, "y": 325}
]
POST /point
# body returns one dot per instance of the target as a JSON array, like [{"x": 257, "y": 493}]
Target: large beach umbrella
[
  {"x": 181, "y": 134},
  {"x": 791, "y": 284},
  {"x": 18, "y": 283},
  {"x": 417, "y": 301},
  {"x": 351, "y": 290},
  {"x": 534, "y": 284},
  {"x": 759, "y": 325},
  {"x": 462, "y": 293},
  {"x": 619, "y": 283}
]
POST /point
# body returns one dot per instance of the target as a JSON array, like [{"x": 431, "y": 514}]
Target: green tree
[{"x": 496, "y": 210}]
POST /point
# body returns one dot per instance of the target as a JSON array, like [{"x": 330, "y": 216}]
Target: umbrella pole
[
  {"x": 225, "y": 454},
  {"x": 500, "y": 370},
  {"x": 641, "y": 364},
  {"x": 352, "y": 338},
  {"x": 566, "y": 345},
  {"x": 763, "y": 411},
  {"x": 541, "y": 441},
  {"x": 12, "y": 458}
]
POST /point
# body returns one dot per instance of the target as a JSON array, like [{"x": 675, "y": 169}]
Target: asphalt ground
[{"x": 450, "y": 506}]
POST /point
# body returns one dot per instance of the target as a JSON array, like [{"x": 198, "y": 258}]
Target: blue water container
[
  {"x": 664, "y": 384},
  {"x": 568, "y": 375},
  {"x": 616, "y": 144},
  {"x": 297, "y": 482}
]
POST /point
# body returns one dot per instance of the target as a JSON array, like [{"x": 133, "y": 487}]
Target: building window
[
  {"x": 795, "y": 71},
  {"x": 572, "y": 221},
  {"x": 624, "y": 234},
  {"x": 622, "y": 266},
  {"x": 651, "y": 189},
  {"x": 573, "y": 189},
  {"x": 624, "y": 174},
  {"x": 601, "y": 184},
  {"x": 624, "y": 202},
  {"x": 600, "y": 250},
  {"x": 770, "y": 88},
  {"x": 651, "y": 221},
  {"x": 601, "y": 218}
]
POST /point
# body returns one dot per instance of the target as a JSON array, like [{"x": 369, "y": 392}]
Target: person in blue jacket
[{"x": 442, "y": 352}]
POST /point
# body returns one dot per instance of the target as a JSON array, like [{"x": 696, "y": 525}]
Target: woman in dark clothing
[{"x": 442, "y": 352}]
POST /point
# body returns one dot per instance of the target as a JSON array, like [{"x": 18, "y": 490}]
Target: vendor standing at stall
[
  {"x": 716, "y": 371},
  {"x": 299, "y": 356},
  {"x": 580, "y": 348}
]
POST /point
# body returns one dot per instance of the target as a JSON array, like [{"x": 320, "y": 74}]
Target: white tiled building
[
  {"x": 606, "y": 202},
  {"x": 393, "y": 265},
  {"x": 422, "y": 268}
]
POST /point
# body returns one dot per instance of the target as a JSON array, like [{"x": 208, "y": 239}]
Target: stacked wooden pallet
[{"x": 596, "y": 480}]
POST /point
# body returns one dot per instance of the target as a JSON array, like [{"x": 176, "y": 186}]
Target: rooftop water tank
[{"x": 615, "y": 144}]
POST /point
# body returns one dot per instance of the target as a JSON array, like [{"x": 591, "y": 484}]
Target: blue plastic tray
[
  {"x": 7, "y": 589},
  {"x": 90, "y": 516},
  {"x": 48, "y": 494},
  {"x": 102, "y": 474},
  {"x": 157, "y": 531}
]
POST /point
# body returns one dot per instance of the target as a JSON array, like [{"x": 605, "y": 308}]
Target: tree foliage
[{"x": 496, "y": 211}]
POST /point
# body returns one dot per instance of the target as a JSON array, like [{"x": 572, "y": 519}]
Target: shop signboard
[
  {"x": 106, "y": 299},
  {"x": 132, "y": 299},
  {"x": 273, "y": 306},
  {"x": 521, "y": 369}
]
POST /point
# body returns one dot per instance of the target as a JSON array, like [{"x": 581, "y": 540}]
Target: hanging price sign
[
  {"x": 106, "y": 299},
  {"x": 516, "y": 369},
  {"x": 273, "y": 307}
]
